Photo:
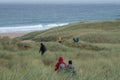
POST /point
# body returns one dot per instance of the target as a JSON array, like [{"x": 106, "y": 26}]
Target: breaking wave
[{"x": 29, "y": 28}]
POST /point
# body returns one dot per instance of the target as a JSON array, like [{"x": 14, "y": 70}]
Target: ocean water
[{"x": 26, "y": 18}]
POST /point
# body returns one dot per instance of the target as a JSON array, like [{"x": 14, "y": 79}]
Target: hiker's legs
[{"x": 42, "y": 52}]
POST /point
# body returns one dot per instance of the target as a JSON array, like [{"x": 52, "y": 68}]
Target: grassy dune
[{"x": 96, "y": 57}]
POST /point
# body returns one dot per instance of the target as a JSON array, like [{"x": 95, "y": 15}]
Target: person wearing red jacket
[{"x": 60, "y": 61}]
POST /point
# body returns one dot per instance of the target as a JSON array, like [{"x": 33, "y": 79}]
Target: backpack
[{"x": 62, "y": 68}]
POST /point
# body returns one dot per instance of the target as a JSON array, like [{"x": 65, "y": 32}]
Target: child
[
  {"x": 60, "y": 40},
  {"x": 60, "y": 64},
  {"x": 70, "y": 68},
  {"x": 76, "y": 39}
]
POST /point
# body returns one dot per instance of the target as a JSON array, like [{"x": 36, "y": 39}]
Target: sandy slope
[{"x": 12, "y": 35}]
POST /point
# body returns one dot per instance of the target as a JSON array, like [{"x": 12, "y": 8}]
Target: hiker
[
  {"x": 42, "y": 49},
  {"x": 76, "y": 39},
  {"x": 60, "y": 65},
  {"x": 59, "y": 39},
  {"x": 70, "y": 69}
]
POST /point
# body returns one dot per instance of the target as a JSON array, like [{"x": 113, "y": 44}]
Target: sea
[{"x": 36, "y": 17}]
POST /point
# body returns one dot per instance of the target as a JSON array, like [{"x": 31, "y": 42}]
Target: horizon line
[{"x": 58, "y": 3}]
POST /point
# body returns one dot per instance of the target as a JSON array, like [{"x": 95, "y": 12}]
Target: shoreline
[
  {"x": 13, "y": 34},
  {"x": 18, "y": 34}
]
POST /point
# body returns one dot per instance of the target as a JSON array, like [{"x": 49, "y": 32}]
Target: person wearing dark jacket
[{"x": 42, "y": 49}]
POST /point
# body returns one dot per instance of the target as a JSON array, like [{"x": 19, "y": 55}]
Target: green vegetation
[{"x": 95, "y": 57}]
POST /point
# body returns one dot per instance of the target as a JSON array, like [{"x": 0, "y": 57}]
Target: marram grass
[{"x": 95, "y": 57}]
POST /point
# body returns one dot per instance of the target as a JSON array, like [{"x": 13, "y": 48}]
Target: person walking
[
  {"x": 42, "y": 49},
  {"x": 70, "y": 69},
  {"x": 60, "y": 65},
  {"x": 60, "y": 39}
]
